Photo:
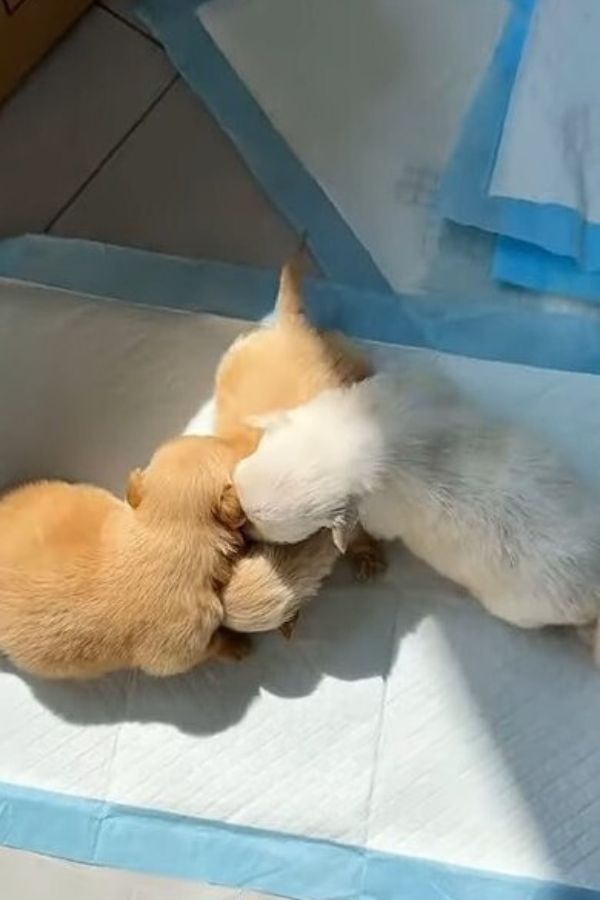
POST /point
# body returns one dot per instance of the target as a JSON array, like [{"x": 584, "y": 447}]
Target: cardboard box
[{"x": 28, "y": 28}]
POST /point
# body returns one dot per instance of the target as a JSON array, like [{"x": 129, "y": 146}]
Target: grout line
[
  {"x": 125, "y": 21},
  {"x": 108, "y": 156}
]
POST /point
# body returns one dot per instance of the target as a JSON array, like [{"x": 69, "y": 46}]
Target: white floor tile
[
  {"x": 69, "y": 114},
  {"x": 178, "y": 186},
  {"x": 23, "y": 874}
]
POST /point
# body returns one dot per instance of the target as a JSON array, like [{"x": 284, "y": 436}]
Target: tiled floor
[
  {"x": 104, "y": 141},
  {"x": 25, "y": 876}
]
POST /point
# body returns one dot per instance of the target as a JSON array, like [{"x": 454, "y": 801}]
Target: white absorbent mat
[
  {"x": 549, "y": 153},
  {"x": 370, "y": 97},
  {"x": 400, "y": 717}
]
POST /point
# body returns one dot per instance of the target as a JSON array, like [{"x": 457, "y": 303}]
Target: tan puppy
[
  {"x": 90, "y": 584},
  {"x": 272, "y": 369},
  {"x": 275, "y": 368}
]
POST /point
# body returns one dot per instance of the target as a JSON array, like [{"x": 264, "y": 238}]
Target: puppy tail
[
  {"x": 290, "y": 302},
  {"x": 269, "y": 585}
]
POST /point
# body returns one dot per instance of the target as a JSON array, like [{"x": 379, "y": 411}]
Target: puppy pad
[
  {"x": 346, "y": 111},
  {"x": 548, "y": 153},
  {"x": 521, "y": 168},
  {"x": 402, "y": 744}
]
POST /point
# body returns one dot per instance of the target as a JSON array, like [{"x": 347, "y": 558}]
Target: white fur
[{"x": 480, "y": 501}]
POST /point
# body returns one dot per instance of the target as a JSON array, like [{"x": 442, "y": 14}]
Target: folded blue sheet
[
  {"x": 546, "y": 247},
  {"x": 531, "y": 267},
  {"x": 464, "y": 193},
  {"x": 547, "y": 170}
]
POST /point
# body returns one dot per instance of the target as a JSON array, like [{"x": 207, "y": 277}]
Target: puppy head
[
  {"x": 297, "y": 482},
  {"x": 188, "y": 480}
]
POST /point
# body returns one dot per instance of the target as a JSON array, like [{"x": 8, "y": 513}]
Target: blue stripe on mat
[
  {"x": 531, "y": 267},
  {"x": 464, "y": 194},
  {"x": 557, "y": 229},
  {"x": 291, "y": 188},
  {"x": 509, "y": 332},
  {"x": 159, "y": 843}
]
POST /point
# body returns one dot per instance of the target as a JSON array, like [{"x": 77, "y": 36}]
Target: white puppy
[{"x": 479, "y": 500}]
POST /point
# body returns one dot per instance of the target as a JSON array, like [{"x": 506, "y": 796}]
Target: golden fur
[
  {"x": 90, "y": 584},
  {"x": 279, "y": 367},
  {"x": 269, "y": 370}
]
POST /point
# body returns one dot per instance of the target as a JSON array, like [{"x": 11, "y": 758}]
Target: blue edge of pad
[
  {"x": 108, "y": 834},
  {"x": 464, "y": 194},
  {"x": 514, "y": 331},
  {"x": 531, "y": 267},
  {"x": 290, "y": 187},
  {"x": 524, "y": 265}
]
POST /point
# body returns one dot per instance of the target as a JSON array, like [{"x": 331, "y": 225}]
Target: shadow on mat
[
  {"x": 536, "y": 695},
  {"x": 345, "y": 636}
]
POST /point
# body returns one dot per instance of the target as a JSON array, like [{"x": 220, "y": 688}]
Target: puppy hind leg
[
  {"x": 228, "y": 645},
  {"x": 183, "y": 642},
  {"x": 223, "y": 645}
]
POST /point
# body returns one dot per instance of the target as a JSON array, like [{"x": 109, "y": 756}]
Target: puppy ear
[
  {"x": 268, "y": 421},
  {"x": 343, "y": 527},
  {"x": 229, "y": 510},
  {"x": 135, "y": 488}
]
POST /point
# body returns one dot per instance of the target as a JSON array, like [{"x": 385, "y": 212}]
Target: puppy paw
[
  {"x": 367, "y": 558},
  {"x": 229, "y": 645}
]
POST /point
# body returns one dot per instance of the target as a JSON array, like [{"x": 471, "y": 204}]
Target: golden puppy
[
  {"x": 90, "y": 584},
  {"x": 269, "y": 370},
  {"x": 278, "y": 367}
]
